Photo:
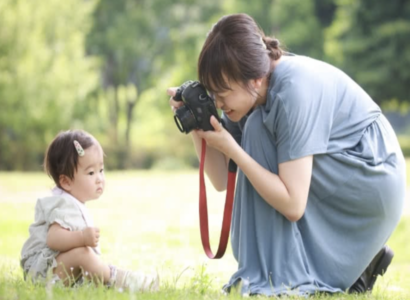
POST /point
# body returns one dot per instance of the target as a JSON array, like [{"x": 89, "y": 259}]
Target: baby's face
[{"x": 89, "y": 179}]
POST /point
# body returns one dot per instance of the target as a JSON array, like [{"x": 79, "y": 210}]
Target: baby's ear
[{"x": 65, "y": 182}]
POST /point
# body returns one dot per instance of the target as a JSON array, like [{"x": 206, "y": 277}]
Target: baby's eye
[
  {"x": 91, "y": 173},
  {"x": 102, "y": 170}
]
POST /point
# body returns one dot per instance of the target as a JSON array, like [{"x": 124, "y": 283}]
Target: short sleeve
[
  {"x": 62, "y": 211},
  {"x": 300, "y": 122}
]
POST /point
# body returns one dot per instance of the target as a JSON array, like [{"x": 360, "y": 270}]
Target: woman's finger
[
  {"x": 215, "y": 124},
  {"x": 172, "y": 91}
]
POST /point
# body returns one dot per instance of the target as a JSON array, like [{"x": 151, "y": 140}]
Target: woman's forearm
[
  {"x": 270, "y": 186},
  {"x": 216, "y": 164},
  {"x": 62, "y": 240}
]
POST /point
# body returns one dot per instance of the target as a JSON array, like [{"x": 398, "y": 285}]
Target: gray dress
[{"x": 357, "y": 187}]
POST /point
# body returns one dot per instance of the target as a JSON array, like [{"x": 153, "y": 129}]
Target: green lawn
[{"x": 149, "y": 220}]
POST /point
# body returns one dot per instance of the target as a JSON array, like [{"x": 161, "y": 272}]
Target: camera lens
[{"x": 185, "y": 119}]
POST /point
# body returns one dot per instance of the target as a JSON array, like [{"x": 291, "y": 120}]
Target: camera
[{"x": 197, "y": 109}]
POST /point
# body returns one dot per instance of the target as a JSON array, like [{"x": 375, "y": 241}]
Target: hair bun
[
  {"x": 272, "y": 42},
  {"x": 273, "y": 45}
]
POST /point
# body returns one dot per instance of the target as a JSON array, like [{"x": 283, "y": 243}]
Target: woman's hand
[
  {"x": 177, "y": 104},
  {"x": 219, "y": 139},
  {"x": 216, "y": 163},
  {"x": 173, "y": 103}
]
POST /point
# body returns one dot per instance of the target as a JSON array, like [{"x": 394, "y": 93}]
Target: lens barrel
[{"x": 185, "y": 119}]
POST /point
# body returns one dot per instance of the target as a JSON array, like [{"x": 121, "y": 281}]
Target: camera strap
[{"x": 203, "y": 210}]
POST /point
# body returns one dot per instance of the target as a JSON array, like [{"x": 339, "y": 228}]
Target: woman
[{"x": 321, "y": 179}]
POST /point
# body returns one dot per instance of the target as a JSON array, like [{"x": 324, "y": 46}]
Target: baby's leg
[
  {"x": 72, "y": 262},
  {"x": 83, "y": 259}
]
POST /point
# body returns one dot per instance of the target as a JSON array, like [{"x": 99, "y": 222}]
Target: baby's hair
[{"x": 61, "y": 156}]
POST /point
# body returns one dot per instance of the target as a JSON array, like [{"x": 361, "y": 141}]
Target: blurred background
[{"x": 104, "y": 66}]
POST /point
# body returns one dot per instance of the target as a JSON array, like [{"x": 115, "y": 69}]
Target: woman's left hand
[{"x": 219, "y": 138}]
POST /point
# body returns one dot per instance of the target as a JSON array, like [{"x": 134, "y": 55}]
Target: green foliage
[
  {"x": 371, "y": 43},
  {"x": 43, "y": 74},
  {"x": 138, "y": 43},
  {"x": 104, "y": 66},
  {"x": 325, "y": 11},
  {"x": 296, "y": 24}
]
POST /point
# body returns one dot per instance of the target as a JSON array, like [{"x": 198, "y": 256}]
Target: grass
[
  {"x": 149, "y": 220},
  {"x": 404, "y": 141}
]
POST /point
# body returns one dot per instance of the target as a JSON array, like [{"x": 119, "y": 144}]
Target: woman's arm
[
  {"x": 286, "y": 192},
  {"x": 216, "y": 163},
  {"x": 61, "y": 239}
]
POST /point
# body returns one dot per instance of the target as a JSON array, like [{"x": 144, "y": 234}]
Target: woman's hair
[
  {"x": 61, "y": 156},
  {"x": 236, "y": 48}
]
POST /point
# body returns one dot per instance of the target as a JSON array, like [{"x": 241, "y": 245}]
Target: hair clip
[{"x": 79, "y": 149}]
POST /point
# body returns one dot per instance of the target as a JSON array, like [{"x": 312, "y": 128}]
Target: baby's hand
[{"x": 91, "y": 236}]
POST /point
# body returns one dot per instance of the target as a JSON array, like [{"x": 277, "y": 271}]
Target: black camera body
[{"x": 197, "y": 109}]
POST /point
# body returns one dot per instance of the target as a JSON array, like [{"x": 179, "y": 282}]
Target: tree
[
  {"x": 295, "y": 23},
  {"x": 137, "y": 41},
  {"x": 296, "y": 26},
  {"x": 325, "y": 11},
  {"x": 43, "y": 74},
  {"x": 371, "y": 42}
]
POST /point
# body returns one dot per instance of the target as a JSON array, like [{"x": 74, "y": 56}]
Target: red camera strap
[{"x": 203, "y": 211}]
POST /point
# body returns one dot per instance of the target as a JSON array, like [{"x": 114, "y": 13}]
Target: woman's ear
[
  {"x": 65, "y": 182},
  {"x": 257, "y": 83}
]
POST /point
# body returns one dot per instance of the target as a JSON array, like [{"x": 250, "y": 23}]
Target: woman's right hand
[
  {"x": 176, "y": 104},
  {"x": 173, "y": 103}
]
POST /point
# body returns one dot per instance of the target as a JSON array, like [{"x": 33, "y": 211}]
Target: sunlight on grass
[{"x": 149, "y": 220}]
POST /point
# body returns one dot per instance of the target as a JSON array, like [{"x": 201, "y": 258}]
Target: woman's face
[{"x": 237, "y": 102}]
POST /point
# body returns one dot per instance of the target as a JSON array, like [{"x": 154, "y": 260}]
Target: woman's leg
[
  {"x": 73, "y": 262},
  {"x": 268, "y": 248}
]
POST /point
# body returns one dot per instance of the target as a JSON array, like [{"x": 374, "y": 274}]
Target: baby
[{"x": 63, "y": 242}]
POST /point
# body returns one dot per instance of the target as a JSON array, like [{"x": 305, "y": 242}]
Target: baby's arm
[{"x": 61, "y": 239}]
